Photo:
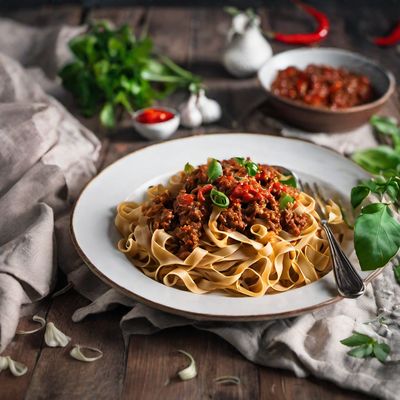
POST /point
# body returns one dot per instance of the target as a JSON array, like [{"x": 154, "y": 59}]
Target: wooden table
[{"x": 193, "y": 37}]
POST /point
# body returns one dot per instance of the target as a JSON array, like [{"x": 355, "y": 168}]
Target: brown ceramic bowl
[{"x": 315, "y": 119}]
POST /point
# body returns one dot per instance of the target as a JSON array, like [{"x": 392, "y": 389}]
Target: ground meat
[
  {"x": 231, "y": 219},
  {"x": 183, "y": 214},
  {"x": 293, "y": 222}
]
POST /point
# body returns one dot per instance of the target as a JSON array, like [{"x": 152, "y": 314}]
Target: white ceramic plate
[{"x": 95, "y": 237}]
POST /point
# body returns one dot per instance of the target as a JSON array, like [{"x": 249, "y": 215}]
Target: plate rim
[{"x": 190, "y": 314}]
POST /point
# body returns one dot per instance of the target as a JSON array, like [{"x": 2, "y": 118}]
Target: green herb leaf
[
  {"x": 219, "y": 199},
  {"x": 381, "y": 351},
  {"x": 361, "y": 351},
  {"x": 252, "y": 168},
  {"x": 107, "y": 116},
  {"x": 214, "y": 170},
  {"x": 396, "y": 271},
  {"x": 188, "y": 168},
  {"x": 387, "y": 126},
  {"x": 284, "y": 200},
  {"x": 289, "y": 180},
  {"x": 357, "y": 339},
  {"x": 358, "y": 194},
  {"x": 377, "y": 159},
  {"x": 376, "y": 236},
  {"x": 240, "y": 160}
]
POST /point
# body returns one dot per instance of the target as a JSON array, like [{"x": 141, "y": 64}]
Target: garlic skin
[
  {"x": 54, "y": 337},
  {"x": 190, "y": 114},
  {"x": 210, "y": 109},
  {"x": 247, "y": 49}
]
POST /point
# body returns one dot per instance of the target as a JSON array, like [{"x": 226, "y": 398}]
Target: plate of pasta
[{"x": 216, "y": 226}]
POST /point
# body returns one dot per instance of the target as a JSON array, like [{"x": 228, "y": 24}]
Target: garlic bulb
[
  {"x": 54, "y": 337},
  {"x": 210, "y": 109},
  {"x": 190, "y": 114},
  {"x": 247, "y": 49}
]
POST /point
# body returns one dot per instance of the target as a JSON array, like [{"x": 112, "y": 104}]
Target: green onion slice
[
  {"x": 219, "y": 199},
  {"x": 214, "y": 170}
]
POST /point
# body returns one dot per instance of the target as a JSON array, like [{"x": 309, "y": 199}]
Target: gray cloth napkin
[{"x": 46, "y": 155}]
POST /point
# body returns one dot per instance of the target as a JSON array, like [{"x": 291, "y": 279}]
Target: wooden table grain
[{"x": 139, "y": 369}]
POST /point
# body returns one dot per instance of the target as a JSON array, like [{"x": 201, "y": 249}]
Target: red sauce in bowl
[
  {"x": 154, "y": 116},
  {"x": 323, "y": 86}
]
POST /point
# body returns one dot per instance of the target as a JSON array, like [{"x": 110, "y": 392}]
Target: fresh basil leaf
[
  {"x": 376, "y": 236},
  {"x": 289, "y": 180},
  {"x": 107, "y": 116},
  {"x": 219, "y": 199},
  {"x": 358, "y": 194},
  {"x": 377, "y": 159},
  {"x": 381, "y": 351},
  {"x": 396, "y": 271},
  {"x": 252, "y": 168},
  {"x": 214, "y": 170},
  {"x": 284, "y": 200},
  {"x": 361, "y": 351},
  {"x": 357, "y": 339},
  {"x": 188, "y": 168},
  {"x": 385, "y": 125},
  {"x": 240, "y": 160}
]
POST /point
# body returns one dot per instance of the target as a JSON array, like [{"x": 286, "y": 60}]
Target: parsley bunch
[{"x": 115, "y": 70}]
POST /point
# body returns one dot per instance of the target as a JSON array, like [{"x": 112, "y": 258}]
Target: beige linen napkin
[{"x": 45, "y": 155}]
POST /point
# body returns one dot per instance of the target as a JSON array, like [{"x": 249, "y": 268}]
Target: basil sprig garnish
[
  {"x": 188, "y": 168},
  {"x": 219, "y": 199},
  {"x": 214, "y": 170},
  {"x": 251, "y": 167},
  {"x": 284, "y": 200},
  {"x": 364, "y": 346},
  {"x": 376, "y": 230}
]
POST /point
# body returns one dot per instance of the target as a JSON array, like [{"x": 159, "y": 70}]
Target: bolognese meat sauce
[{"x": 250, "y": 197}]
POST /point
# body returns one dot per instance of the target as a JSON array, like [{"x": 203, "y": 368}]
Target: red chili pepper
[
  {"x": 306, "y": 38},
  {"x": 202, "y": 191},
  {"x": 154, "y": 116},
  {"x": 391, "y": 39}
]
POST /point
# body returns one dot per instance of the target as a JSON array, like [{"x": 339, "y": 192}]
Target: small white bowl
[{"x": 158, "y": 130}]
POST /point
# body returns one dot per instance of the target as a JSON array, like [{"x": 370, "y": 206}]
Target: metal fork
[{"x": 349, "y": 282}]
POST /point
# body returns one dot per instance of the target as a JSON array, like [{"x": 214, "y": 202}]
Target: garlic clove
[
  {"x": 76, "y": 352},
  {"x": 210, "y": 109},
  {"x": 54, "y": 337},
  {"x": 190, "y": 371},
  {"x": 190, "y": 114},
  {"x": 17, "y": 368}
]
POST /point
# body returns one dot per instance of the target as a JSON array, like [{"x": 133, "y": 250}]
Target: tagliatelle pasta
[{"x": 202, "y": 254}]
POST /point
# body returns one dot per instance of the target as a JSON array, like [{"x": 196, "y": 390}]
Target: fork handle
[{"x": 349, "y": 282}]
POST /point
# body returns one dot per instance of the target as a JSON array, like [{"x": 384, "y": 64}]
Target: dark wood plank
[
  {"x": 58, "y": 376},
  {"x": 45, "y": 15},
  {"x": 153, "y": 360},
  {"x": 281, "y": 384}
]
